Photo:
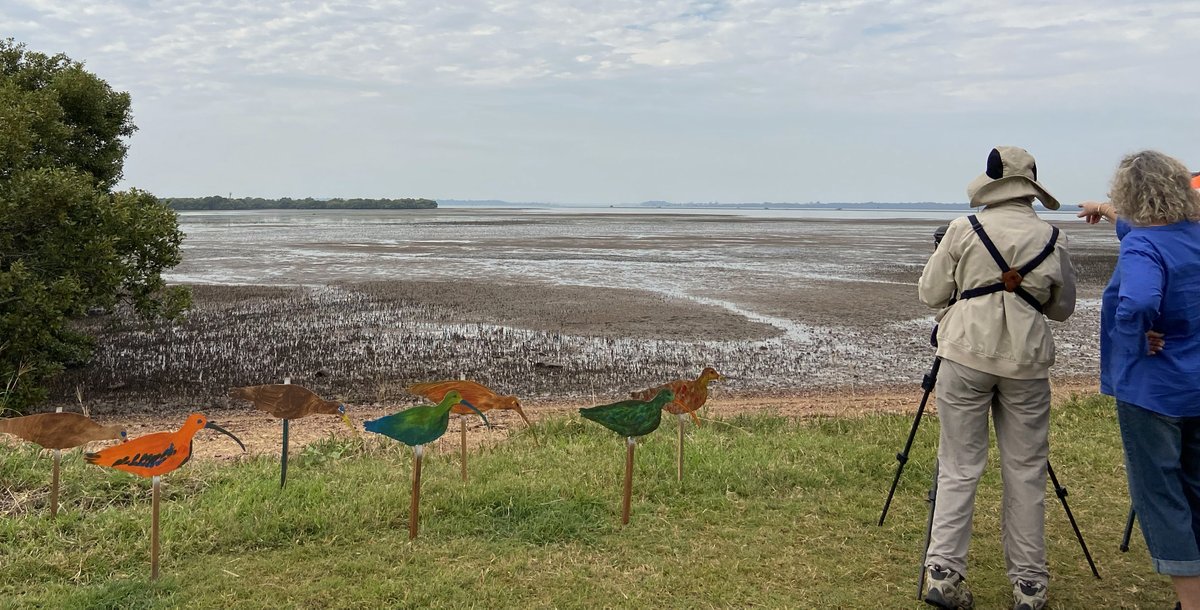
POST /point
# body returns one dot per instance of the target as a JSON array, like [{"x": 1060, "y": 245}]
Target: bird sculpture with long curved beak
[
  {"x": 288, "y": 402},
  {"x": 631, "y": 419},
  {"x": 481, "y": 397},
  {"x": 154, "y": 455},
  {"x": 690, "y": 395},
  {"x": 59, "y": 431},
  {"x": 415, "y": 427}
]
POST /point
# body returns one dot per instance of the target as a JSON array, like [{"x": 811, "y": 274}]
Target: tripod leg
[
  {"x": 928, "y": 530},
  {"x": 1128, "y": 529},
  {"x": 1061, "y": 492},
  {"x": 927, "y": 384}
]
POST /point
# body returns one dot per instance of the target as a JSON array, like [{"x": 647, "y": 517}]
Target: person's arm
[
  {"x": 1093, "y": 211},
  {"x": 936, "y": 286},
  {"x": 1140, "y": 297},
  {"x": 1062, "y": 297}
]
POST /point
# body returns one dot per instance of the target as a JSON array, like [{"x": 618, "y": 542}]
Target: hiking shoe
[
  {"x": 948, "y": 589},
  {"x": 1028, "y": 595}
]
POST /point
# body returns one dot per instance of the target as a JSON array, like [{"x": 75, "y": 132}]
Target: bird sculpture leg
[
  {"x": 416, "y": 492},
  {"x": 679, "y": 453},
  {"x": 54, "y": 478},
  {"x": 630, "y": 443},
  {"x": 154, "y": 529},
  {"x": 54, "y": 484},
  {"x": 283, "y": 457},
  {"x": 462, "y": 428}
]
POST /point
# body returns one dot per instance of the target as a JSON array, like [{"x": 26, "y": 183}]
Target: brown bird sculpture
[
  {"x": 478, "y": 395},
  {"x": 59, "y": 431},
  {"x": 690, "y": 395},
  {"x": 288, "y": 402}
]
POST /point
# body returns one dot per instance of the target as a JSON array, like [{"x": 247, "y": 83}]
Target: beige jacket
[{"x": 999, "y": 333}]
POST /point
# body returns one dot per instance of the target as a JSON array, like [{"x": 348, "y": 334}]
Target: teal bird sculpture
[
  {"x": 422, "y": 424},
  {"x": 415, "y": 427},
  {"x": 631, "y": 419}
]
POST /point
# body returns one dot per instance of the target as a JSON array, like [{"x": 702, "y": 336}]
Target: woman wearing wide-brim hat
[{"x": 998, "y": 274}]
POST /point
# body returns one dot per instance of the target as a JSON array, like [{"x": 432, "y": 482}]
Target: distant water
[{"x": 769, "y": 212}]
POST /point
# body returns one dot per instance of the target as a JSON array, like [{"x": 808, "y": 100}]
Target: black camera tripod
[{"x": 927, "y": 384}]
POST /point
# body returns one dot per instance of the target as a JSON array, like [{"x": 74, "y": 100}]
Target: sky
[{"x": 621, "y": 101}]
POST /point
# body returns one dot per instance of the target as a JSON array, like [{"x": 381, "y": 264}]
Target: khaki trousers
[{"x": 1021, "y": 410}]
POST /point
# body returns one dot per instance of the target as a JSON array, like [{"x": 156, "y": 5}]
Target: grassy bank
[{"x": 773, "y": 512}]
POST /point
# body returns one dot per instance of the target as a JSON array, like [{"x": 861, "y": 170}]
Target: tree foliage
[{"x": 69, "y": 243}]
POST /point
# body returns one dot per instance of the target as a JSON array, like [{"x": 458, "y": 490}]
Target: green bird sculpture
[
  {"x": 415, "y": 427},
  {"x": 421, "y": 424},
  {"x": 630, "y": 418}
]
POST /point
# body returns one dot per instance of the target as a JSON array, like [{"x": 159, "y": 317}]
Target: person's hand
[
  {"x": 1155, "y": 341},
  {"x": 1093, "y": 211}
]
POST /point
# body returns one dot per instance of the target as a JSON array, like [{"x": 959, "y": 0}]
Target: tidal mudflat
[{"x": 552, "y": 306}]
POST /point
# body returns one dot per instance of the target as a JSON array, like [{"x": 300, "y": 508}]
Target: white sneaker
[
  {"x": 1028, "y": 595},
  {"x": 948, "y": 590}
]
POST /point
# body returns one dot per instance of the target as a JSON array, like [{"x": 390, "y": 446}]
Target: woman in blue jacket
[{"x": 1155, "y": 290}]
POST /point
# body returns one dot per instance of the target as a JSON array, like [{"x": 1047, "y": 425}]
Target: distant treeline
[{"x": 217, "y": 202}]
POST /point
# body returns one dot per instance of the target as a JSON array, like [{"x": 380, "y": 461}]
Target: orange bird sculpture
[
  {"x": 690, "y": 395},
  {"x": 59, "y": 430},
  {"x": 158, "y": 453},
  {"x": 475, "y": 393}
]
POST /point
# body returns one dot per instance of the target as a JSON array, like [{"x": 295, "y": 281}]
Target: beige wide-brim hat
[{"x": 1011, "y": 174}]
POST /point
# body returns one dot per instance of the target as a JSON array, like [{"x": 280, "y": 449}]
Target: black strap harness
[{"x": 1010, "y": 277}]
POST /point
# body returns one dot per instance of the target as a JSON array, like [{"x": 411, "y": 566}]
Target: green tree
[{"x": 68, "y": 242}]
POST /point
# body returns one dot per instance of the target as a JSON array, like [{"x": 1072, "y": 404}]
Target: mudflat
[{"x": 555, "y": 308}]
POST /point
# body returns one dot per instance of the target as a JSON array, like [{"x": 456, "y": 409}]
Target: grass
[{"x": 772, "y": 512}]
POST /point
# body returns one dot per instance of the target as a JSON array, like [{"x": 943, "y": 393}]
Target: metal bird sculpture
[
  {"x": 154, "y": 455},
  {"x": 479, "y": 396},
  {"x": 631, "y": 419},
  {"x": 416, "y": 427},
  {"x": 690, "y": 395},
  {"x": 59, "y": 431},
  {"x": 288, "y": 402}
]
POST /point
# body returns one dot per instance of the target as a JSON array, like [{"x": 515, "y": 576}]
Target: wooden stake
[
  {"x": 630, "y": 443},
  {"x": 54, "y": 484},
  {"x": 413, "y": 511},
  {"x": 283, "y": 457},
  {"x": 462, "y": 427},
  {"x": 679, "y": 453},
  {"x": 54, "y": 478},
  {"x": 154, "y": 530}
]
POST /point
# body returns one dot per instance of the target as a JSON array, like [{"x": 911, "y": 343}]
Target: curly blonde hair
[{"x": 1151, "y": 188}]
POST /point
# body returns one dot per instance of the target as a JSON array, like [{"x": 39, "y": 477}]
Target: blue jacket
[{"x": 1156, "y": 285}]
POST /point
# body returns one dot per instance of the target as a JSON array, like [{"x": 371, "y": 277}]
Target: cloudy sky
[{"x": 608, "y": 101}]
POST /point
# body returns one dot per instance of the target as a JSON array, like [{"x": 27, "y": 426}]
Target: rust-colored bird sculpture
[
  {"x": 690, "y": 395},
  {"x": 477, "y": 395},
  {"x": 154, "y": 455},
  {"x": 59, "y": 431},
  {"x": 158, "y": 453},
  {"x": 288, "y": 402}
]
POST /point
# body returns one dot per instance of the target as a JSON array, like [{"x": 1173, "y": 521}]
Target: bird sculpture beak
[
  {"x": 213, "y": 426},
  {"x": 481, "y": 415},
  {"x": 528, "y": 423}
]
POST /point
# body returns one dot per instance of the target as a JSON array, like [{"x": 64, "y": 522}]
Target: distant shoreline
[{"x": 217, "y": 202}]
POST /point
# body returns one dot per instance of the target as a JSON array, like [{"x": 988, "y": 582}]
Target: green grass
[{"x": 773, "y": 512}]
